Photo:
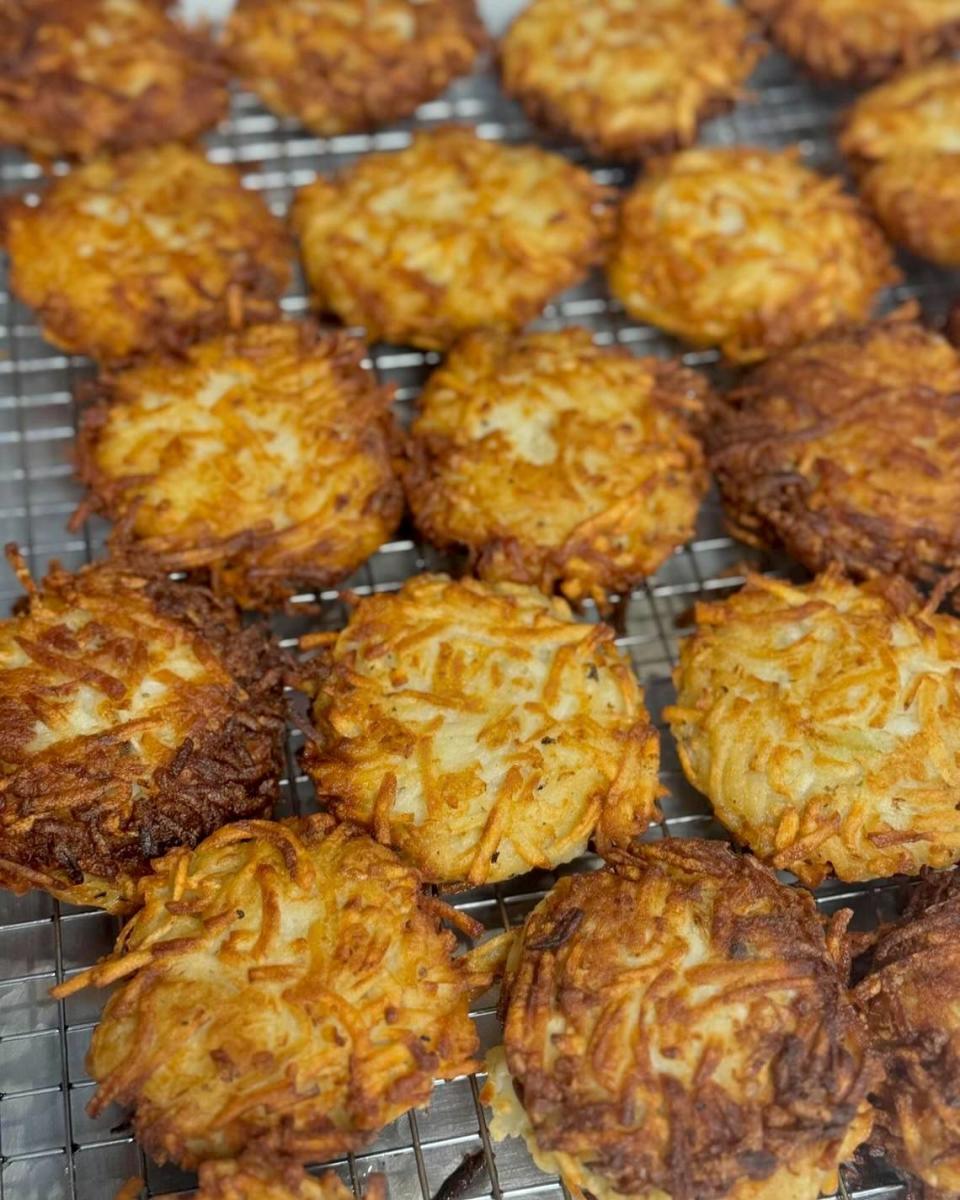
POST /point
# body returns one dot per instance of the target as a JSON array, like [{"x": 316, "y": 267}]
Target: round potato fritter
[
  {"x": 860, "y": 40},
  {"x": 265, "y": 1177},
  {"x": 904, "y": 136},
  {"x": 347, "y": 65},
  {"x": 745, "y": 249},
  {"x": 556, "y": 462},
  {"x": 136, "y": 716},
  {"x": 912, "y": 1002},
  {"x": 288, "y": 988},
  {"x": 148, "y": 251},
  {"x": 481, "y": 731},
  {"x": 82, "y": 76},
  {"x": 451, "y": 234},
  {"x": 823, "y": 724},
  {"x": 675, "y": 1028},
  {"x": 847, "y": 450},
  {"x": 263, "y": 457},
  {"x": 623, "y": 78}
]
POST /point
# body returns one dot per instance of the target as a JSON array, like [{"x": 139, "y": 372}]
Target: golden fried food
[
  {"x": 675, "y": 1028},
  {"x": 745, "y": 249},
  {"x": 860, "y": 40},
  {"x": 904, "y": 136},
  {"x": 266, "y": 1177},
  {"x": 480, "y": 730},
  {"x": 823, "y": 724},
  {"x": 912, "y": 1002},
  {"x": 82, "y": 76},
  {"x": 349, "y": 65},
  {"x": 136, "y": 716},
  {"x": 557, "y": 462},
  {"x": 627, "y": 79},
  {"x": 263, "y": 457},
  {"x": 147, "y": 251},
  {"x": 451, "y": 234},
  {"x": 288, "y": 987},
  {"x": 847, "y": 450}
]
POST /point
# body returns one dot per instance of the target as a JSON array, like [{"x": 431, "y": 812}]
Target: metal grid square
[{"x": 49, "y": 1148}]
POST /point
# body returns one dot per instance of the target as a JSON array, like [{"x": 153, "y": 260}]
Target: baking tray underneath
[{"x": 49, "y": 1148}]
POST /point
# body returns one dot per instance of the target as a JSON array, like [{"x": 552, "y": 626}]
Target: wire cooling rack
[{"x": 49, "y": 1148}]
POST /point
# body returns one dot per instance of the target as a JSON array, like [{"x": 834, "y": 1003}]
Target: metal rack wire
[{"x": 49, "y": 1148}]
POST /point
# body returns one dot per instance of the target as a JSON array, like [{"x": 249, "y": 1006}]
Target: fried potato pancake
[
  {"x": 912, "y": 1002},
  {"x": 745, "y": 249},
  {"x": 557, "y": 462},
  {"x": 822, "y": 723},
  {"x": 860, "y": 40},
  {"x": 147, "y": 251},
  {"x": 904, "y": 136},
  {"x": 266, "y": 1177},
  {"x": 78, "y": 77},
  {"x": 263, "y": 457},
  {"x": 480, "y": 730},
  {"x": 349, "y": 65},
  {"x": 135, "y": 716},
  {"x": 288, "y": 987},
  {"x": 450, "y": 234},
  {"x": 625, "y": 79},
  {"x": 847, "y": 450},
  {"x": 675, "y": 1028}
]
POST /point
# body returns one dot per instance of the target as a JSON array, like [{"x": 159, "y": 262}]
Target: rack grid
[{"x": 49, "y": 1148}]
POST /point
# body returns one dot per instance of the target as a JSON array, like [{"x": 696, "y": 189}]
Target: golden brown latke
[
  {"x": 912, "y": 1002},
  {"x": 451, "y": 234},
  {"x": 557, "y": 462},
  {"x": 147, "y": 251},
  {"x": 847, "y": 450},
  {"x": 627, "y": 79},
  {"x": 745, "y": 249},
  {"x": 480, "y": 730},
  {"x": 135, "y": 716},
  {"x": 860, "y": 40},
  {"x": 823, "y": 724},
  {"x": 82, "y": 76},
  {"x": 266, "y": 1177},
  {"x": 349, "y": 65},
  {"x": 904, "y": 137},
  {"x": 263, "y": 457},
  {"x": 676, "y": 1029},
  {"x": 288, "y": 987}
]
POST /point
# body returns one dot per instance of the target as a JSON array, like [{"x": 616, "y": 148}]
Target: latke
[
  {"x": 745, "y": 249},
  {"x": 78, "y": 77},
  {"x": 557, "y": 462},
  {"x": 147, "y": 251},
  {"x": 288, "y": 987},
  {"x": 451, "y": 234},
  {"x": 137, "y": 716},
  {"x": 625, "y": 79},
  {"x": 823, "y": 724},
  {"x": 847, "y": 450},
  {"x": 904, "y": 136},
  {"x": 263, "y": 457},
  {"x": 480, "y": 731},
  {"x": 261, "y": 1177},
  {"x": 675, "y": 1028},
  {"x": 351, "y": 65},
  {"x": 860, "y": 40},
  {"x": 912, "y": 1002}
]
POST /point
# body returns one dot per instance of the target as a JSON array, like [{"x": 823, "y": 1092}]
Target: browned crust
[
  {"x": 259, "y": 566},
  {"x": 341, "y": 78},
  {"x": 62, "y": 93},
  {"x": 831, "y": 52},
  {"x": 847, "y": 450},
  {"x": 83, "y": 821},
  {"x": 268, "y": 1177},
  {"x": 916, "y": 198},
  {"x": 570, "y": 1025}
]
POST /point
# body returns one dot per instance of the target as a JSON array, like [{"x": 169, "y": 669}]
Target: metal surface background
[{"x": 49, "y": 1148}]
